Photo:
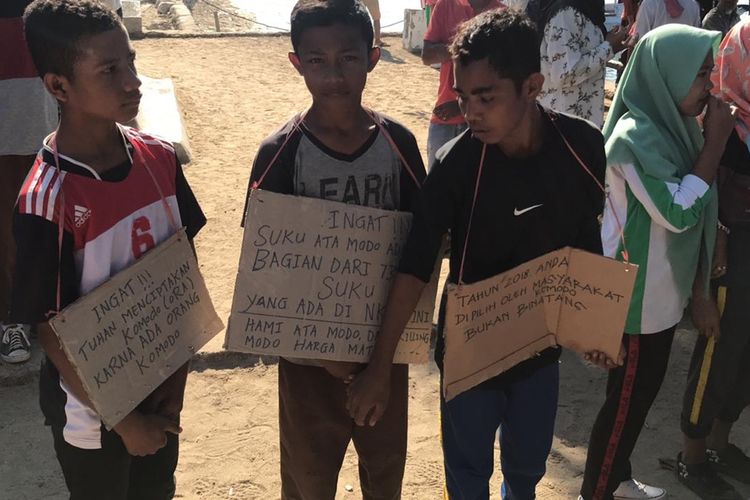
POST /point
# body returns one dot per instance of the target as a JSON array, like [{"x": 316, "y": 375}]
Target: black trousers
[
  {"x": 718, "y": 384},
  {"x": 631, "y": 390},
  {"x": 111, "y": 473}
]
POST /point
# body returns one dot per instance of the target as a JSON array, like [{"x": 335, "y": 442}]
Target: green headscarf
[{"x": 644, "y": 127}]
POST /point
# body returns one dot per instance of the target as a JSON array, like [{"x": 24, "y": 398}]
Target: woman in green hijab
[{"x": 660, "y": 174}]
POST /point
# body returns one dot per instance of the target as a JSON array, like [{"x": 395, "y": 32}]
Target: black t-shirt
[
  {"x": 13, "y": 8},
  {"x": 34, "y": 293},
  {"x": 736, "y": 155},
  {"x": 525, "y": 208}
]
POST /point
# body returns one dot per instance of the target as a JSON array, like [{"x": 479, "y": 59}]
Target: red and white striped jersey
[
  {"x": 112, "y": 223},
  {"x": 108, "y": 222}
]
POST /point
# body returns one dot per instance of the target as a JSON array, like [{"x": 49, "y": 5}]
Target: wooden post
[{"x": 216, "y": 20}]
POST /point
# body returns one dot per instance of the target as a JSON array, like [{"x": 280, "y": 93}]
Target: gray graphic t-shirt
[
  {"x": 369, "y": 177},
  {"x": 374, "y": 176}
]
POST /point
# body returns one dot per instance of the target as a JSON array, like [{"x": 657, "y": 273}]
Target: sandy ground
[{"x": 233, "y": 93}]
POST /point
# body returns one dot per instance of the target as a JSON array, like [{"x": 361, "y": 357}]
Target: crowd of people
[{"x": 518, "y": 149}]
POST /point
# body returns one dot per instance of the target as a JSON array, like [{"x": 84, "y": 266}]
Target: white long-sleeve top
[{"x": 653, "y": 13}]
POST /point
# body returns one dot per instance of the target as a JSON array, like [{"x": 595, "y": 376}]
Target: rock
[
  {"x": 163, "y": 7},
  {"x": 131, "y": 16},
  {"x": 182, "y": 17}
]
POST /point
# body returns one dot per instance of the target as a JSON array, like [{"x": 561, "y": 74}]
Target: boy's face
[
  {"x": 105, "y": 84},
  {"x": 493, "y": 107},
  {"x": 334, "y": 61}
]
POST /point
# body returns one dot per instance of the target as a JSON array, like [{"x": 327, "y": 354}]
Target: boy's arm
[
  {"x": 34, "y": 297},
  {"x": 279, "y": 176},
  {"x": 435, "y": 46},
  {"x": 51, "y": 345},
  {"x": 434, "y": 53},
  {"x": 142, "y": 434},
  {"x": 167, "y": 399},
  {"x": 407, "y": 146},
  {"x": 370, "y": 390},
  {"x": 191, "y": 213}
]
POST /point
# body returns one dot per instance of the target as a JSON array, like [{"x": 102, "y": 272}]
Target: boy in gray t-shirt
[{"x": 338, "y": 151}]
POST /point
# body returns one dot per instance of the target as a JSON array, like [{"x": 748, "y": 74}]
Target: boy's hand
[
  {"x": 718, "y": 123},
  {"x": 719, "y": 268},
  {"x": 145, "y": 434},
  {"x": 343, "y": 370},
  {"x": 617, "y": 39},
  {"x": 166, "y": 401},
  {"x": 706, "y": 317},
  {"x": 368, "y": 395},
  {"x": 603, "y": 361}
]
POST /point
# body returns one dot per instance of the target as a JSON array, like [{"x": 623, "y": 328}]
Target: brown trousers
[
  {"x": 13, "y": 170},
  {"x": 315, "y": 430}
]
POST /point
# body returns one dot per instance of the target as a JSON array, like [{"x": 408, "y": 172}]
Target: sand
[{"x": 233, "y": 93}]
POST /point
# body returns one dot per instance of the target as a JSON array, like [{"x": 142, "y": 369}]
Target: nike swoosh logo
[{"x": 517, "y": 212}]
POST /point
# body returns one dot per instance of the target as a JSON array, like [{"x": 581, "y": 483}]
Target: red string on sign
[
  {"x": 625, "y": 255},
  {"x": 390, "y": 140},
  {"x": 471, "y": 216},
  {"x": 298, "y": 123},
  {"x": 61, "y": 208}
]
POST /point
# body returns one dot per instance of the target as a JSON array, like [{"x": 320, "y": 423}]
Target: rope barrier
[{"x": 282, "y": 30}]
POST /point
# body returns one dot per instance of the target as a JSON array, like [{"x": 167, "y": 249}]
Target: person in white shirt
[{"x": 655, "y": 13}]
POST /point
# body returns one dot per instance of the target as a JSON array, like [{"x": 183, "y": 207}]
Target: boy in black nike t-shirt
[
  {"x": 339, "y": 151},
  {"x": 533, "y": 197}
]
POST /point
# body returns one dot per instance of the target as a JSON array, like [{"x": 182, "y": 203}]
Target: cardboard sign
[
  {"x": 567, "y": 297},
  {"x": 313, "y": 281},
  {"x": 135, "y": 330}
]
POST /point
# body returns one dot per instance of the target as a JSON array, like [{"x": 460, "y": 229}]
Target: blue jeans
[
  {"x": 437, "y": 135},
  {"x": 525, "y": 413}
]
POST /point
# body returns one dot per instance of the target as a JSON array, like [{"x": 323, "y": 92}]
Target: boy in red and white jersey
[{"x": 97, "y": 198}]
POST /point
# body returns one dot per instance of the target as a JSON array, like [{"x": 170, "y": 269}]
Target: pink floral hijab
[{"x": 731, "y": 75}]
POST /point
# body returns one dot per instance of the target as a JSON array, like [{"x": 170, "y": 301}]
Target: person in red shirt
[{"x": 447, "y": 120}]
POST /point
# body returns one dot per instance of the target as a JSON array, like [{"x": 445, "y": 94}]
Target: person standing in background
[
  {"x": 575, "y": 48},
  {"x": 655, "y": 13},
  {"x": 722, "y": 17},
  {"x": 706, "y": 5},
  {"x": 28, "y": 113},
  {"x": 373, "y": 6},
  {"x": 718, "y": 381},
  {"x": 629, "y": 11},
  {"x": 447, "y": 120}
]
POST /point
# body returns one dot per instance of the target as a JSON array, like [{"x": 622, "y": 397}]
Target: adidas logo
[{"x": 82, "y": 214}]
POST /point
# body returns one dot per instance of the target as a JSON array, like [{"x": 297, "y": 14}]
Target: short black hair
[
  {"x": 54, "y": 28},
  {"x": 315, "y": 13},
  {"x": 507, "y": 39}
]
